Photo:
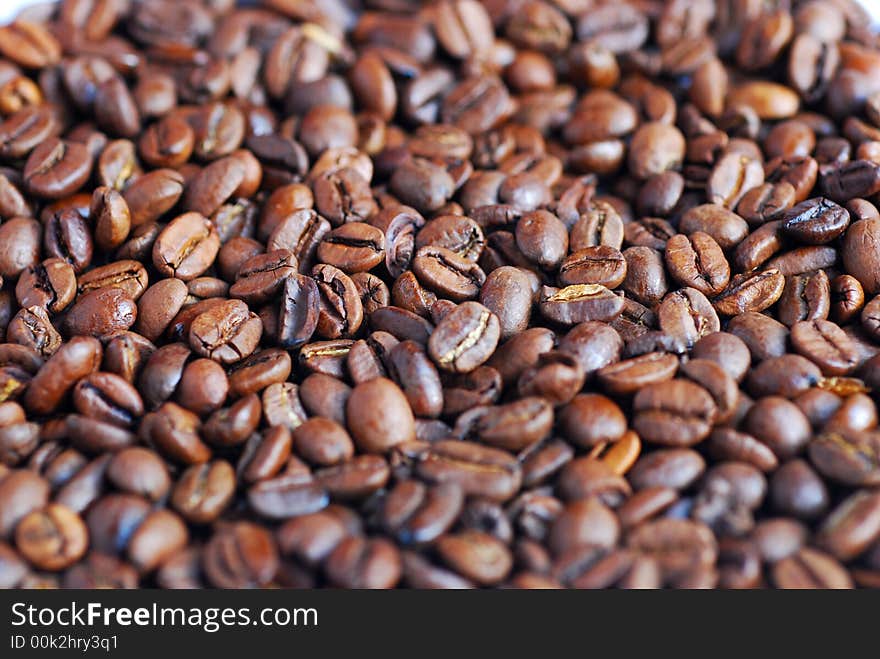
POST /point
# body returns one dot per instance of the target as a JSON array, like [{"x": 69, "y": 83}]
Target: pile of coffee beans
[{"x": 455, "y": 293}]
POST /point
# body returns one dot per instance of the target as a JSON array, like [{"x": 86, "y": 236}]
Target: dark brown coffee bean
[
  {"x": 805, "y": 297},
  {"x": 364, "y": 563},
  {"x": 242, "y": 555},
  {"x": 101, "y": 312},
  {"x": 322, "y": 442},
  {"x": 50, "y": 284},
  {"x": 697, "y": 261},
  {"x": 631, "y": 375},
  {"x": 750, "y": 293},
  {"x": 594, "y": 265},
  {"x": 66, "y": 236},
  {"x": 852, "y": 527},
  {"x": 465, "y": 338},
  {"x": 825, "y": 344},
  {"x": 386, "y": 418},
  {"x": 676, "y": 413},
  {"x": 152, "y": 195},
  {"x": 233, "y": 425},
  {"x": 74, "y": 360},
  {"x": 31, "y": 327},
  {"x": 847, "y": 298},
  {"x": 848, "y": 457},
  {"x": 580, "y": 303},
  {"x": 227, "y": 333},
  {"x": 448, "y": 274},
  {"x": 687, "y": 316},
  {"x": 186, "y": 247},
  {"x": 815, "y": 221},
  {"x": 809, "y": 568},
  {"x": 786, "y": 375},
  {"x": 477, "y": 104},
  {"x": 645, "y": 275},
  {"x": 416, "y": 513},
  {"x": 57, "y": 168}
]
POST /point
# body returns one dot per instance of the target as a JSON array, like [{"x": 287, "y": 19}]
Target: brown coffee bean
[
  {"x": 848, "y": 457},
  {"x": 385, "y": 418},
  {"x": 255, "y": 557},
  {"x": 852, "y": 527},
  {"x": 809, "y": 568},
  {"x": 52, "y": 539},
  {"x": 226, "y": 333},
  {"x": 750, "y": 293},
  {"x": 697, "y": 261},
  {"x": 465, "y": 338},
  {"x": 186, "y": 247},
  {"x": 825, "y": 344},
  {"x": 676, "y": 413}
]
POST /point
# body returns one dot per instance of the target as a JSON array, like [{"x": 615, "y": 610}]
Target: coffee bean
[
  {"x": 750, "y": 293},
  {"x": 385, "y": 418},
  {"x": 698, "y": 262},
  {"x": 815, "y": 221},
  {"x": 52, "y": 539},
  {"x": 809, "y": 568},
  {"x": 825, "y": 344},
  {"x": 579, "y": 303},
  {"x": 186, "y": 247},
  {"x": 677, "y": 413},
  {"x": 256, "y": 557},
  {"x": 852, "y": 527},
  {"x": 846, "y": 456}
]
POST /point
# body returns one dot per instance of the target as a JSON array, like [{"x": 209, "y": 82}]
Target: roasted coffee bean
[
  {"x": 448, "y": 274},
  {"x": 786, "y": 375},
  {"x": 233, "y": 425},
  {"x": 750, "y": 293},
  {"x": 101, "y": 312},
  {"x": 809, "y": 568},
  {"x": 849, "y": 457},
  {"x": 255, "y": 555},
  {"x": 340, "y": 312},
  {"x": 645, "y": 276},
  {"x": 594, "y": 265},
  {"x": 186, "y": 247},
  {"x": 227, "y": 333},
  {"x": 676, "y": 413},
  {"x": 847, "y": 298},
  {"x": 465, "y": 338},
  {"x": 50, "y": 284},
  {"x": 815, "y": 221},
  {"x": 354, "y": 247},
  {"x": 579, "y": 303},
  {"x": 852, "y": 527},
  {"x": 74, "y": 360},
  {"x": 826, "y": 345},
  {"x": 631, "y": 375},
  {"x": 591, "y": 419},
  {"x": 687, "y": 316},
  {"x": 507, "y": 293},
  {"x": 557, "y": 376},
  {"x": 57, "y": 168},
  {"x": 151, "y": 195},
  {"x": 66, "y": 236},
  {"x": 32, "y": 327},
  {"x": 805, "y": 297},
  {"x": 697, "y": 261},
  {"x": 52, "y": 539},
  {"x": 385, "y": 415}
]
